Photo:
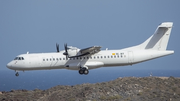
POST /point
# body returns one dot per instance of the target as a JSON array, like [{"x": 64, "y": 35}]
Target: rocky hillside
[{"x": 121, "y": 89}]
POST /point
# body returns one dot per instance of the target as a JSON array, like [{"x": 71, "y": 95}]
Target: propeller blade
[
  {"x": 66, "y": 57},
  {"x": 57, "y": 47},
  {"x": 66, "y": 51},
  {"x": 65, "y": 48}
]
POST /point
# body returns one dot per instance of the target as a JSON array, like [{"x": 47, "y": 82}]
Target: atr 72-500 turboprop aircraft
[{"x": 90, "y": 58}]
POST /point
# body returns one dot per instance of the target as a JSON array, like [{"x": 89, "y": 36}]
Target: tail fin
[{"x": 159, "y": 40}]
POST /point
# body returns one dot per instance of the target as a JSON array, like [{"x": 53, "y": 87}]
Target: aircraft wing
[
  {"x": 90, "y": 50},
  {"x": 87, "y": 51}
]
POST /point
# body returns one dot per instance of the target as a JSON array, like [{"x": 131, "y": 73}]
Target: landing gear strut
[
  {"x": 83, "y": 71},
  {"x": 17, "y": 74}
]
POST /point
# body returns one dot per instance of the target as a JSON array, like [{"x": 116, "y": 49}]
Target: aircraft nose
[{"x": 9, "y": 65}]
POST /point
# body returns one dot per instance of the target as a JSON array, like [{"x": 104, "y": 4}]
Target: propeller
[
  {"x": 57, "y": 47},
  {"x": 66, "y": 51}
]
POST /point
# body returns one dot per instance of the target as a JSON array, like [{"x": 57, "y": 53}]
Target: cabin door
[{"x": 130, "y": 57}]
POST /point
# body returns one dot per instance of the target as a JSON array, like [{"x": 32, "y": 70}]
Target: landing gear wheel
[
  {"x": 81, "y": 71},
  {"x": 17, "y": 74},
  {"x": 86, "y": 71}
]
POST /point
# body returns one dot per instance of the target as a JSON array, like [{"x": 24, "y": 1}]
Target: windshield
[{"x": 19, "y": 58}]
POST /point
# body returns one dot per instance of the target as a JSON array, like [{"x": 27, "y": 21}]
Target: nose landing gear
[{"x": 17, "y": 74}]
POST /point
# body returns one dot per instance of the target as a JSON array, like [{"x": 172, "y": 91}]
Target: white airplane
[{"x": 73, "y": 58}]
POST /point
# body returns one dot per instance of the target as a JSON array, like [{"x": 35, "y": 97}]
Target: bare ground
[{"x": 121, "y": 89}]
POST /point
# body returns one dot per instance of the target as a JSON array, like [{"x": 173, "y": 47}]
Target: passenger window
[
  {"x": 80, "y": 58},
  {"x": 50, "y": 59},
  {"x": 94, "y": 57},
  {"x": 111, "y": 56},
  {"x": 114, "y": 56},
  {"x": 108, "y": 56},
  {"x": 77, "y": 58},
  {"x": 53, "y": 59},
  {"x": 104, "y": 56},
  {"x": 121, "y": 54},
  {"x": 46, "y": 59},
  {"x": 43, "y": 59},
  {"x": 57, "y": 59},
  {"x": 84, "y": 57},
  {"x": 98, "y": 57},
  {"x": 63, "y": 58},
  {"x": 87, "y": 57},
  {"x": 101, "y": 56}
]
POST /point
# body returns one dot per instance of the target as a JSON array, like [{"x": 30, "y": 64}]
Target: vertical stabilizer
[{"x": 159, "y": 40}]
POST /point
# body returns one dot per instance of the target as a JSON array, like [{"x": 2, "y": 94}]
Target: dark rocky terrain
[{"x": 121, "y": 89}]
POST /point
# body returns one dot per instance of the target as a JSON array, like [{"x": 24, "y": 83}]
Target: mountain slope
[{"x": 121, "y": 89}]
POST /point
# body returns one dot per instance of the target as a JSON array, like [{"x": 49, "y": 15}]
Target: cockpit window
[
  {"x": 16, "y": 58},
  {"x": 19, "y": 58}
]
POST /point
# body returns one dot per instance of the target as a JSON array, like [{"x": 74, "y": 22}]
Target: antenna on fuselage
[{"x": 27, "y": 52}]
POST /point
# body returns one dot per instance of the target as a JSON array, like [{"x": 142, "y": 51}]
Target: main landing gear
[
  {"x": 17, "y": 74},
  {"x": 83, "y": 71}
]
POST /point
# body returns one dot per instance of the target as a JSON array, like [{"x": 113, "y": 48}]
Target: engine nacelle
[{"x": 73, "y": 51}]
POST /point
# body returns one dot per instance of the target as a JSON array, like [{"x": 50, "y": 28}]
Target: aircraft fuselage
[{"x": 104, "y": 58}]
